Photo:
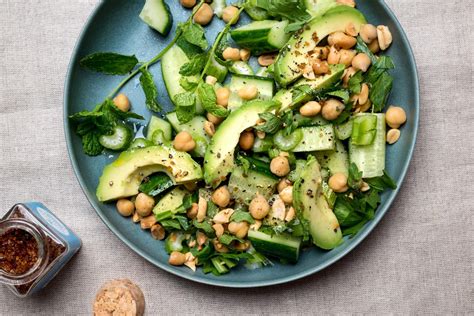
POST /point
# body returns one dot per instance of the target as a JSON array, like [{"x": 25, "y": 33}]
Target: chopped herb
[{"x": 109, "y": 63}]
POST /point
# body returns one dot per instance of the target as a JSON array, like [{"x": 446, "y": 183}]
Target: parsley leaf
[
  {"x": 207, "y": 96},
  {"x": 272, "y": 123},
  {"x": 109, "y": 63},
  {"x": 150, "y": 90}
]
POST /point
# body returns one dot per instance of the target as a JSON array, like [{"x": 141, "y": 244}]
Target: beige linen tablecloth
[{"x": 418, "y": 260}]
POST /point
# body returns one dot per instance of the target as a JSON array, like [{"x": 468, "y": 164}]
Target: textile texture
[{"x": 419, "y": 259}]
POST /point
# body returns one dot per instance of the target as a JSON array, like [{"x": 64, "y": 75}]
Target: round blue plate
[{"x": 115, "y": 26}]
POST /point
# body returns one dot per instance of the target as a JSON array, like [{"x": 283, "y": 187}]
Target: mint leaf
[
  {"x": 382, "y": 183},
  {"x": 150, "y": 90},
  {"x": 227, "y": 239},
  {"x": 380, "y": 91},
  {"x": 194, "y": 66},
  {"x": 355, "y": 176},
  {"x": 185, "y": 106},
  {"x": 272, "y": 123},
  {"x": 361, "y": 47},
  {"x": 207, "y": 96},
  {"x": 194, "y": 34},
  {"x": 156, "y": 184},
  {"x": 241, "y": 216},
  {"x": 91, "y": 144},
  {"x": 355, "y": 82},
  {"x": 187, "y": 84},
  {"x": 341, "y": 94},
  {"x": 383, "y": 64},
  {"x": 205, "y": 226},
  {"x": 109, "y": 63}
]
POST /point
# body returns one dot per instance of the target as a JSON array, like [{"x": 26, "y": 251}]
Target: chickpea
[
  {"x": 284, "y": 183},
  {"x": 290, "y": 215},
  {"x": 320, "y": 67},
  {"x": 188, "y": 3},
  {"x": 338, "y": 183},
  {"x": 209, "y": 128},
  {"x": 361, "y": 62},
  {"x": 148, "y": 221},
  {"x": 240, "y": 230},
  {"x": 368, "y": 33},
  {"x": 363, "y": 96},
  {"x": 242, "y": 246},
  {"x": 332, "y": 109},
  {"x": 334, "y": 56},
  {"x": 374, "y": 46},
  {"x": 244, "y": 54},
  {"x": 384, "y": 37},
  {"x": 248, "y": 92},
  {"x": 201, "y": 238},
  {"x": 122, "y": 103},
  {"x": 135, "y": 217},
  {"x": 341, "y": 40},
  {"x": 214, "y": 119},
  {"x": 259, "y": 207},
  {"x": 219, "y": 247},
  {"x": 395, "y": 116},
  {"x": 125, "y": 207},
  {"x": 350, "y": 3},
  {"x": 221, "y": 196},
  {"x": 184, "y": 142},
  {"x": 204, "y": 15},
  {"x": 231, "y": 53},
  {"x": 346, "y": 56},
  {"x": 231, "y": 13},
  {"x": 286, "y": 195},
  {"x": 144, "y": 204},
  {"x": 393, "y": 136},
  {"x": 211, "y": 80},
  {"x": 266, "y": 60},
  {"x": 223, "y": 95},
  {"x": 177, "y": 258},
  {"x": 310, "y": 109},
  {"x": 246, "y": 140},
  {"x": 364, "y": 187},
  {"x": 223, "y": 217},
  {"x": 202, "y": 209},
  {"x": 280, "y": 166},
  {"x": 256, "y": 226},
  {"x": 348, "y": 73}
]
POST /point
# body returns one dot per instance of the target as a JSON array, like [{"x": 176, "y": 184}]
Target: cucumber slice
[
  {"x": 289, "y": 142},
  {"x": 364, "y": 130},
  {"x": 263, "y": 72},
  {"x": 316, "y": 138},
  {"x": 244, "y": 187},
  {"x": 195, "y": 127},
  {"x": 157, "y": 123},
  {"x": 217, "y": 70},
  {"x": 344, "y": 131},
  {"x": 282, "y": 246},
  {"x": 120, "y": 139},
  {"x": 370, "y": 159},
  {"x": 336, "y": 161},
  {"x": 241, "y": 68},
  {"x": 265, "y": 88},
  {"x": 257, "y": 14},
  {"x": 171, "y": 63},
  {"x": 262, "y": 145},
  {"x": 262, "y": 36},
  {"x": 140, "y": 143},
  {"x": 157, "y": 14}
]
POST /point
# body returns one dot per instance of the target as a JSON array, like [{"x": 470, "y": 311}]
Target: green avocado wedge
[
  {"x": 219, "y": 158},
  {"x": 288, "y": 66},
  {"x": 310, "y": 202},
  {"x": 285, "y": 96},
  {"x": 122, "y": 178}
]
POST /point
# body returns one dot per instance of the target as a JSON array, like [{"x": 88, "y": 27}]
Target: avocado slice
[
  {"x": 309, "y": 201},
  {"x": 219, "y": 158},
  {"x": 285, "y": 96},
  {"x": 290, "y": 61},
  {"x": 122, "y": 178}
]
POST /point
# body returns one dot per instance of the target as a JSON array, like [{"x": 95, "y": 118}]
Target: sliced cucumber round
[
  {"x": 119, "y": 140},
  {"x": 289, "y": 142}
]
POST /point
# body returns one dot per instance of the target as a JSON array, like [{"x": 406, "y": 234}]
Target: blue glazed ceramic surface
[{"x": 115, "y": 26}]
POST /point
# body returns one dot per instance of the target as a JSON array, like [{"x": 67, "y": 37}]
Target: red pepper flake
[{"x": 18, "y": 251}]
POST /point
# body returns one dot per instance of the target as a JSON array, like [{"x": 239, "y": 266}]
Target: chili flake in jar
[{"x": 18, "y": 251}]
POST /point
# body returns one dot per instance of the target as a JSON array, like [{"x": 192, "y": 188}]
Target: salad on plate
[{"x": 277, "y": 140}]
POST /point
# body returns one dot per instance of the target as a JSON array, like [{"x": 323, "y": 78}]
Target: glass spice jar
[{"x": 34, "y": 246}]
